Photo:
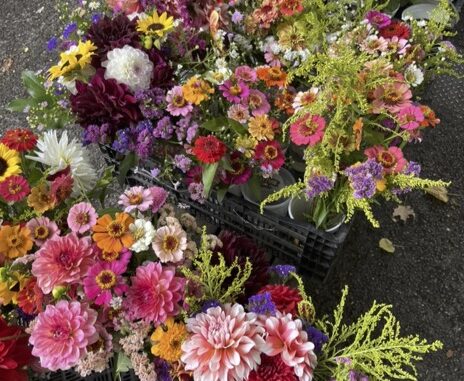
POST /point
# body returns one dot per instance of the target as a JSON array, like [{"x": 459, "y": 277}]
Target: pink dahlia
[
  {"x": 136, "y": 198},
  {"x": 390, "y": 158},
  {"x": 226, "y": 344},
  {"x": 159, "y": 196},
  {"x": 410, "y": 117},
  {"x": 307, "y": 130},
  {"x": 63, "y": 261},
  {"x": 154, "y": 294},
  {"x": 391, "y": 97},
  {"x": 102, "y": 280},
  {"x": 258, "y": 103},
  {"x": 246, "y": 74},
  {"x": 177, "y": 104},
  {"x": 42, "y": 229},
  {"x": 62, "y": 333},
  {"x": 287, "y": 338},
  {"x": 82, "y": 217},
  {"x": 234, "y": 91}
]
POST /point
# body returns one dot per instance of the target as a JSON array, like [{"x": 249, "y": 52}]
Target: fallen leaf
[
  {"x": 403, "y": 212},
  {"x": 40, "y": 10},
  {"x": 7, "y": 63},
  {"x": 387, "y": 245},
  {"x": 440, "y": 193},
  {"x": 449, "y": 353}
]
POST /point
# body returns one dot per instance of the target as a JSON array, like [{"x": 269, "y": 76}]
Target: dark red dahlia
[
  {"x": 105, "y": 101},
  {"x": 285, "y": 298},
  {"x": 162, "y": 72},
  {"x": 19, "y": 139},
  {"x": 209, "y": 149},
  {"x": 396, "y": 28},
  {"x": 273, "y": 369}
]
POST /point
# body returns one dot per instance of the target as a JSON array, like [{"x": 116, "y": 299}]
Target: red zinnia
[
  {"x": 273, "y": 369},
  {"x": 209, "y": 149},
  {"x": 14, "y": 188},
  {"x": 30, "y": 298},
  {"x": 286, "y": 299},
  {"x": 396, "y": 28},
  {"x": 270, "y": 154},
  {"x": 19, "y": 139},
  {"x": 291, "y": 7}
]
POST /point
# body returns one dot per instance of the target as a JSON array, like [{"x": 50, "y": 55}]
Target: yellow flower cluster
[{"x": 76, "y": 58}]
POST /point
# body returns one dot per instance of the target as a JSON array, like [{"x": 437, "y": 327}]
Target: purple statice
[
  {"x": 145, "y": 139},
  {"x": 182, "y": 162},
  {"x": 186, "y": 130},
  {"x": 378, "y": 19},
  {"x": 155, "y": 172},
  {"x": 162, "y": 370},
  {"x": 237, "y": 17},
  {"x": 96, "y": 134},
  {"x": 123, "y": 141},
  {"x": 413, "y": 168},
  {"x": 164, "y": 129},
  {"x": 364, "y": 177},
  {"x": 197, "y": 193},
  {"x": 317, "y": 338},
  {"x": 357, "y": 376},
  {"x": 318, "y": 185},
  {"x": 262, "y": 304},
  {"x": 52, "y": 44},
  {"x": 151, "y": 102},
  {"x": 96, "y": 18},
  {"x": 209, "y": 304},
  {"x": 69, "y": 30},
  {"x": 282, "y": 271}
]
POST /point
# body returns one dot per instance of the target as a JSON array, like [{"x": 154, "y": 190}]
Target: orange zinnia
[
  {"x": 272, "y": 76},
  {"x": 15, "y": 241},
  {"x": 113, "y": 235},
  {"x": 196, "y": 90}
]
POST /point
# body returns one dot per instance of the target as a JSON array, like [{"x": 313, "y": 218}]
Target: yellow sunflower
[
  {"x": 167, "y": 340},
  {"x": 9, "y": 162},
  {"x": 156, "y": 25},
  {"x": 76, "y": 58}
]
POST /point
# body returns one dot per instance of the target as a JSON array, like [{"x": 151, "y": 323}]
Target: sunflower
[
  {"x": 167, "y": 340},
  {"x": 155, "y": 25},
  {"x": 15, "y": 241},
  {"x": 113, "y": 235},
  {"x": 9, "y": 162},
  {"x": 77, "y": 57}
]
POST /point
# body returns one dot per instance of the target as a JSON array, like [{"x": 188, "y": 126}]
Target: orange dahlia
[
  {"x": 15, "y": 241},
  {"x": 113, "y": 235}
]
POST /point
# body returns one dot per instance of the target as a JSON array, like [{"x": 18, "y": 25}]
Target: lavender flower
[
  {"x": 182, "y": 162},
  {"x": 96, "y": 18},
  {"x": 364, "y": 177},
  {"x": 164, "y": 129},
  {"x": 196, "y": 191},
  {"x": 283, "y": 271},
  {"x": 155, "y": 172},
  {"x": 317, "y": 338},
  {"x": 69, "y": 29},
  {"x": 262, "y": 304},
  {"x": 413, "y": 168},
  {"x": 318, "y": 185},
  {"x": 52, "y": 44},
  {"x": 122, "y": 144},
  {"x": 237, "y": 17}
]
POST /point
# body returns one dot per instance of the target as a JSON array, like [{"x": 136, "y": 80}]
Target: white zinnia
[
  {"x": 129, "y": 66},
  {"x": 143, "y": 233},
  {"x": 414, "y": 75},
  {"x": 170, "y": 243},
  {"x": 58, "y": 154}
]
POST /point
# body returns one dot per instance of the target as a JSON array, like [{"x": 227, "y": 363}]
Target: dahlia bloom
[
  {"x": 308, "y": 130},
  {"x": 391, "y": 158},
  {"x": 273, "y": 369},
  {"x": 42, "y": 229},
  {"x": 269, "y": 155},
  {"x": 102, "y": 280},
  {"x": 154, "y": 294},
  {"x": 410, "y": 117},
  {"x": 234, "y": 91},
  {"x": 225, "y": 344},
  {"x": 62, "y": 333},
  {"x": 209, "y": 149},
  {"x": 143, "y": 233},
  {"x": 170, "y": 243},
  {"x": 136, "y": 198},
  {"x": 287, "y": 338},
  {"x": 177, "y": 104},
  {"x": 258, "y": 103},
  {"x": 62, "y": 261},
  {"x": 14, "y": 188},
  {"x": 392, "y": 97},
  {"x": 82, "y": 217},
  {"x": 285, "y": 298}
]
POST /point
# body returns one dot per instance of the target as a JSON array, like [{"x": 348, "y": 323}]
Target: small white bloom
[
  {"x": 116, "y": 302},
  {"x": 143, "y": 233},
  {"x": 414, "y": 75},
  {"x": 129, "y": 66}
]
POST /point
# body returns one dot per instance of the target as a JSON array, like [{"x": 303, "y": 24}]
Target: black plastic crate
[{"x": 311, "y": 250}]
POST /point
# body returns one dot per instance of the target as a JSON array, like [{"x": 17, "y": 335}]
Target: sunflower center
[
  {"x": 170, "y": 243},
  {"x": 82, "y": 218},
  {"x": 135, "y": 199},
  {"x": 3, "y": 166},
  {"x": 15, "y": 240},
  {"x": 155, "y": 27},
  {"x": 386, "y": 159},
  {"x": 115, "y": 230},
  {"x": 41, "y": 232},
  {"x": 106, "y": 279},
  {"x": 109, "y": 257},
  {"x": 270, "y": 153}
]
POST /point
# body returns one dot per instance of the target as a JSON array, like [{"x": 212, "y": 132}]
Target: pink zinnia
[
  {"x": 159, "y": 196},
  {"x": 391, "y": 97},
  {"x": 234, "y": 91},
  {"x": 42, "y": 229},
  {"x": 226, "y": 344},
  {"x": 177, "y": 104},
  {"x": 308, "y": 130},
  {"x": 62, "y": 333},
  {"x": 258, "y": 103},
  {"x": 239, "y": 113},
  {"x": 410, "y": 117},
  {"x": 102, "y": 280},
  {"x": 62, "y": 261},
  {"x": 287, "y": 338},
  {"x": 270, "y": 155},
  {"x": 246, "y": 74},
  {"x": 391, "y": 158},
  {"x": 136, "y": 198},
  {"x": 155, "y": 293},
  {"x": 14, "y": 188},
  {"x": 82, "y": 217}
]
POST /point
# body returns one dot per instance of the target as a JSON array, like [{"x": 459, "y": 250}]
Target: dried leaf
[
  {"x": 403, "y": 212},
  {"x": 440, "y": 193},
  {"x": 7, "y": 63},
  {"x": 449, "y": 353},
  {"x": 387, "y": 245}
]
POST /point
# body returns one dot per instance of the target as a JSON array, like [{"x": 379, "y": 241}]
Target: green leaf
[
  {"x": 215, "y": 124},
  {"x": 221, "y": 193},
  {"x": 129, "y": 162},
  {"x": 123, "y": 363},
  {"x": 387, "y": 245},
  {"x": 19, "y": 105},
  {"x": 209, "y": 172},
  {"x": 226, "y": 165},
  {"x": 34, "y": 86},
  {"x": 238, "y": 127}
]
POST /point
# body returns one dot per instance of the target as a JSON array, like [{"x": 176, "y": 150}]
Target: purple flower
[
  {"x": 317, "y": 338},
  {"x": 69, "y": 29},
  {"x": 162, "y": 370},
  {"x": 52, "y": 44},
  {"x": 283, "y": 271},
  {"x": 258, "y": 103},
  {"x": 364, "y": 177},
  {"x": 246, "y": 74},
  {"x": 378, "y": 19},
  {"x": 96, "y": 18},
  {"x": 91, "y": 135},
  {"x": 413, "y": 168},
  {"x": 234, "y": 92},
  {"x": 318, "y": 185},
  {"x": 262, "y": 304},
  {"x": 182, "y": 162},
  {"x": 192, "y": 132},
  {"x": 155, "y": 172},
  {"x": 357, "y": 376},
  {"x": 196, "y": 191},
  {"x": 209, "y": 304},
  {"x": 145, "y": 139},
  {"x": 122, "y": 144},
  {"x": 164, "y": 129},
  {"x": 237, "y": 17},
  {"x": 177, "y": 105},
  {"x": 240, "y": 173}
]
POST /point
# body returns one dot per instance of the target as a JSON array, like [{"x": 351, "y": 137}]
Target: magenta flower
[
  {"x": 104, "y": 279},
  {"x": 246, "y": 74},
  {"x": 391, "y": 97},
  {"x": 269, "y": 155},
  {"x": 258, "y": 103},
  {"x": 378, "y": 19},
  {"x": 62, "y": 333},
  {"x": 136, "y": 198},
  {"x": 159, "y": 196},
  {"x": 234, "y": 92},
  {"x": 42, "y": 229},
  {"x": 391, "y": 158},
  {"x": 308, "y": 130},
  {"x": 177, "y": 105},
  {"x": 82, "y": 217},
  {"x": 410, "y": 117},
  {"x": 240, "y": 173}
]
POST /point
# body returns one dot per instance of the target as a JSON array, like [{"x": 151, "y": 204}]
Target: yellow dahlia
[{"x": 9, "y": 162}]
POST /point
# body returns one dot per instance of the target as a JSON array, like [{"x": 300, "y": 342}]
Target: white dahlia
[{"x": 129, "y": 66}]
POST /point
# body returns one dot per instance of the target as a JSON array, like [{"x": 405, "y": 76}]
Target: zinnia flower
[
  {"x": 290, "y": 7},
  {"x": 391, "y": 158},
  {"x": 62, "y": 333},
  {"x": 272, "y": 76},
  {"x": 225, "y": 344},
  {"x": 42, "y": 229},
  {"x": 155, "y": 294},
  {"x": 9, "y": 287},
  {"x": 273, "y": 369},
  {"x": 62, "y": 261},
  {"x": 269, "y": 155},
  {"x": 167, "y": 340},
  {"x": 234, "y": 91},
  {"x": 113, "y": 235},
  {"x": 9, "y": 162},
  {"x": 395, "y": 28},
  {"x": 122, "y": 257},
  {"x": 177, "y": 104},
  {"x": 209, "y": 149},
  {"x": 240, "y": 173},
  {"x": 30, "y": 298},
  {"x": 15, "y": 241},
  {"x": 392, "y": 97},
  {"x": 305, "y": 98},
  {"x": 136, "y": 198},
  {"x": 410, "y": 117},
  {"x": 40, "y": 198},
  {"x": 258, "y": 103},
  {"x": 143, "y": 233},
  {"x": 82, "y": 217},
  {"x": 19, "y": 139},
  {"x": 308, "y": 130},
  {"x": 285, "y": 298},
  {"x": 378, "y": 19},
  {"x": 170, "y": 243},
  {"x": 196, "y": 90},
  {"x": 239, "y": 113},
  {"x": 261, "y": 128},
  {"x": 102, "y": 280},
  {"x": 245, "y": 74},
  {"x": 14, "y": 188}
]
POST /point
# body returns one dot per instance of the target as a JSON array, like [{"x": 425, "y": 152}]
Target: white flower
[
  {"x": 413, "y": 75},
  {"x": 143, "y": 233},
  {"x": 61, "y": 154},
  {"x": 170, "y": 243},
  {"x": 129, "y": 66},
  {"x": 218, "y": 77}
]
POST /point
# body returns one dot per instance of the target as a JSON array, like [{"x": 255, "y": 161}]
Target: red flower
[
  {"x": 273, "y": 369},
  {"x": 61, "y": 188},
  {"x": 19, "y": 139},
  {"x": 286, "y": 299},
  {"x": 291, "y": 7},
  {"x": 30, "y": 298},
  {"x": 396, "y": 28},
  {"x": 14, "y": 188},
  {"x": 15, "y": 353},
  {"x": 270, "y": 155},
  {"x": 209, "y": 149}
]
